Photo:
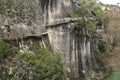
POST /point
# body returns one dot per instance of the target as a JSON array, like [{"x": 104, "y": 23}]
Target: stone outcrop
[{"x": 73, "y": 44}]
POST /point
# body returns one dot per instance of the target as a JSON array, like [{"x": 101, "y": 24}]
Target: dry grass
[{"x": 113, "y": 60}]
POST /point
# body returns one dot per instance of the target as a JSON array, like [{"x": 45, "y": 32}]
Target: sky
[{"x": 110, "y": 1}]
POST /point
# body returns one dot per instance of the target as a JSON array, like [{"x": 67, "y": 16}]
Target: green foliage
[
  {"x": 91, "y": 27},
  {"x": 47, "y": 65},
  {"x": 89, "y": 9},
  {"x": 69, "y": 14},
  {"x": 8, "y": 3},
  {"x": 43, "y": 65},
  {"x": 102, "y": 46},
  {"x": 83, "y": 10},
  {"x": 5, "y": 51},
  {"x": 102, "y": 17}
]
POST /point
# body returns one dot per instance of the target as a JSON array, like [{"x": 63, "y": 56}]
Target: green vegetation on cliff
[
  {"x": 43, "y": 64},
  {"x": 90, "y": 9},
  {"x": 5, "y": 50}
]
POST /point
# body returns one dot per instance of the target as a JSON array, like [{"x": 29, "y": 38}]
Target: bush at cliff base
[
  {"x": 43, "y": 65},
  {"x": 5, "y": 50}
]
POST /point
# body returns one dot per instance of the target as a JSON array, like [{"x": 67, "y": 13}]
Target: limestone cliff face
[
  {"x": 55, "y": 9},
  {"x": 73, "y": 44},
  {"x": 22, "y": 18},
  {"x": 76, "y": 48}
]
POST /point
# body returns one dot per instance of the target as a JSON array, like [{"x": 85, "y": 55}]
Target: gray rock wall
[
  {"x": 60, "y": 40},
  {"x": 55, "y": 9},
  {"x": 21, "y": 18},
  {"x": 72, "y": 44},
  {"x": 74, "y": 48}
]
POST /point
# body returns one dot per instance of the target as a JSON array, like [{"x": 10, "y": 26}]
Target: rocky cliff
[
  {"x": 20, "y": 18},
  {"x": 26, "y": 18}
]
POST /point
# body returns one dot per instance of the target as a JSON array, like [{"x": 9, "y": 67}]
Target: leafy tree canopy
[{"x": 87, "y": 9}]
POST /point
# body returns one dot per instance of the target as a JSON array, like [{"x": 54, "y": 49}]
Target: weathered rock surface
[{"x": 34, "y": 18}]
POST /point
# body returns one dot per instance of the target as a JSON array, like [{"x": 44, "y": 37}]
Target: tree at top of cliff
[{"x": 90, "y": 8}]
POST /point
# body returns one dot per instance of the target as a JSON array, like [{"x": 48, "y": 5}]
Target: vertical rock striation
[{"x": 73, "y": 44}]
